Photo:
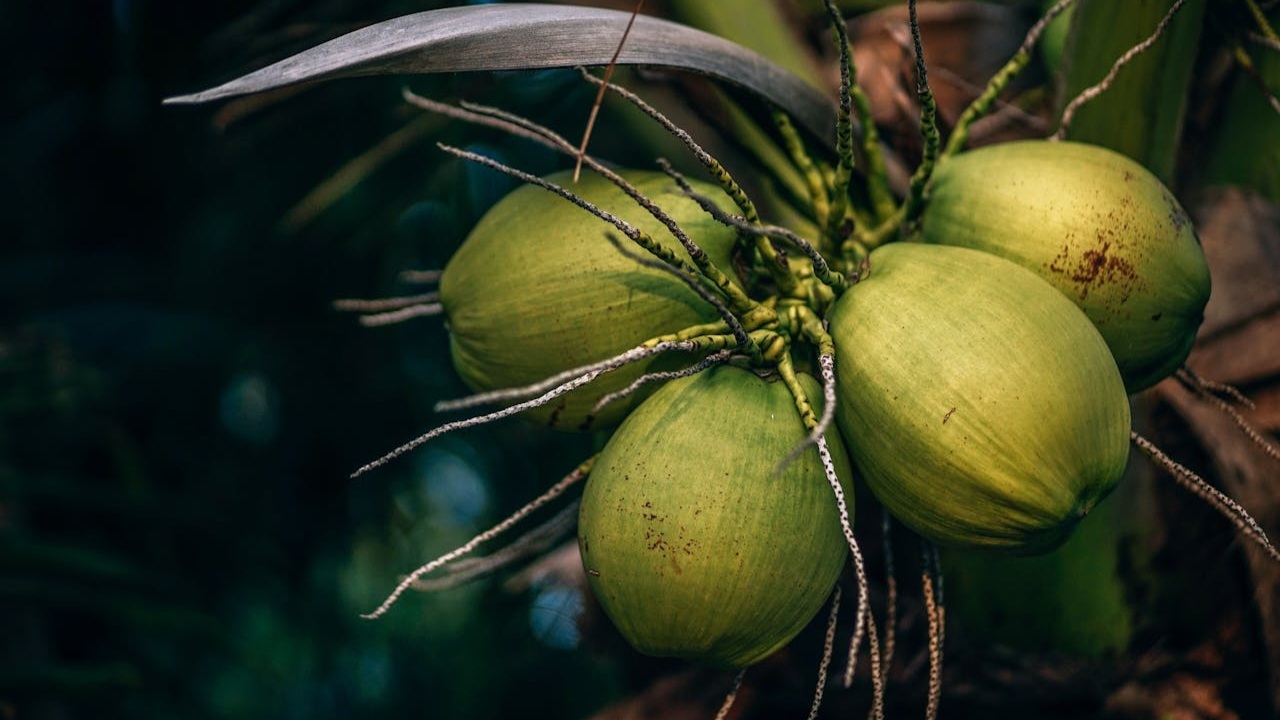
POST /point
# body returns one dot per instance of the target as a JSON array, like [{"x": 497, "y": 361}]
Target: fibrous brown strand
[
  {"x": 891, "y": 585},
  {"x": 1229, "y": 508},
  {"x": 1093, "y": 91},
  {"x": 595, "y": 106},
  {"x": 717, "y": 171},
  {"x": 533, "y": 542},
  {"x": 731, "y": 696},
  {"x": 596, "y": 370},
  {"x": 931, "y": 581},
  {"x": 695, "y": 284},
  {"x": 555, "y": 491},
  {"x": 828, "y": 648},
  {"x": 382, "y": 304},
  {"x": 639, "y": 352},
  {"x": 1203, "y": 390},
  {"x": 649, "y": 378}
]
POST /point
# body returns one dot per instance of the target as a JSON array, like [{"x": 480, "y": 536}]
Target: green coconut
[
  {"x": 537, "y": 289},
  {"x": 981, "y": 407},
  {"x": 693, "y": 543},
  {"x": 1096, "y": 225}
]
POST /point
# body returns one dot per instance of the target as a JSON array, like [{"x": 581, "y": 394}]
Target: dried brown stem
[
  {"x": 1093, "y": 91},
  {"x": 555, "y": 491},
  {"x": 828, "y": 648},
  {"x": 1230, "y": 509}
]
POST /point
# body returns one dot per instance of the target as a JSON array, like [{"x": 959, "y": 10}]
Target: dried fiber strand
[
  {"x": 639, "y": 352},
  {"x": 1229, "y": 508},
  {"x": 930, "y": 581},
  {"x": 1197, "y": 388},
  {"x": 555, "y": 491},
  {"x": 533, "y": 542},
  {"x": 383, "y": 304},
  {"x": 694, "y": 284},
  {"x": 420, "y": 277},
  {"x": 401, "y": 315},
  {"x": 982, "y": 104},
  {"x": 595, "y": 106},
  {"x": 855, "y": 552},
  {"x": 649, "y": 378},
  {"x": 1189, "y": 377},
  {"x": 708, "y": 161},
  {"x": 465, "y": 114},
  {"x": 564, "y": 389},
  {"x": 828, "y": 648},
  {"x": 1088, "y": 94},
  {"x": 891, "y": 586},
  {"x": 731, "y": 696}
]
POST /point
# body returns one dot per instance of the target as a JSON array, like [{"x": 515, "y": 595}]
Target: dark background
[{"x": 180, "y": 406}]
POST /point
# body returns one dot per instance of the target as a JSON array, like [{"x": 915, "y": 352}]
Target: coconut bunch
[
  {"x": 963, "y": 347},
  {"x": 966, "y": 352}
]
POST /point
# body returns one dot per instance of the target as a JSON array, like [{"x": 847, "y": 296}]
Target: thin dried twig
[
  {"x": 891, "y": 585},
  {"x": 531, "y": 543},
  {"x": 731, "y": 696},
  {"x": 382, "y": 304},
  {"x": 730, "y": 320},
  {"x": 649, "y": 378},
  {"x": 1093, "y": 91},
  {"x": 555, "y": 491},
  {"x": 595, "y": 106},
  {"x": 509, "y": 394},
  {"x": 708, "y": 161},
  {"x": 398, "y": 316},
  {"x": 1201, "y": 389},
  {"x": 931, "y": 580},
  {"x": 1230, "y": 509},
  {"x": 558, "y": 391},
  {"x": 828, "y": 648}
]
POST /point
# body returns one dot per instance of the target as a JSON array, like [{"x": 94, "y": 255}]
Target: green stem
[
  {"x": 787, "y": 371},
  {"x": 982, "y": 104},
  {"x": 914, "y": 204},
  {"x": 1263, "y": 24}
]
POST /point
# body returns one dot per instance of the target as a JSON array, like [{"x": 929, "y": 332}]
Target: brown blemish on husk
[
  {"x": 947, "y": 417},
  {"x": 656, "y": 538},
  {"x": 1097, "y": 267}
]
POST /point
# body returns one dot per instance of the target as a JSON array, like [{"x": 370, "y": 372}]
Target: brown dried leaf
[
  {"x": 1239, "y": 344},
  {"x": 529, "y": 36},
  {"x": 1241, "y": 237}
]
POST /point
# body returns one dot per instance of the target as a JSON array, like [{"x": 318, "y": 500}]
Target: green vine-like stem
[
  {"x": 982, "y": 104},
  {"x": 914, "y": 204}
]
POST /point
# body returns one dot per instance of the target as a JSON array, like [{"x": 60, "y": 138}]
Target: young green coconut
[
  {"x": 981, "y": 407},
  {"x": 537, "y": 289},
  {"x": 694, "y": 543},
  {"x": 1095, "y": 224}
]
